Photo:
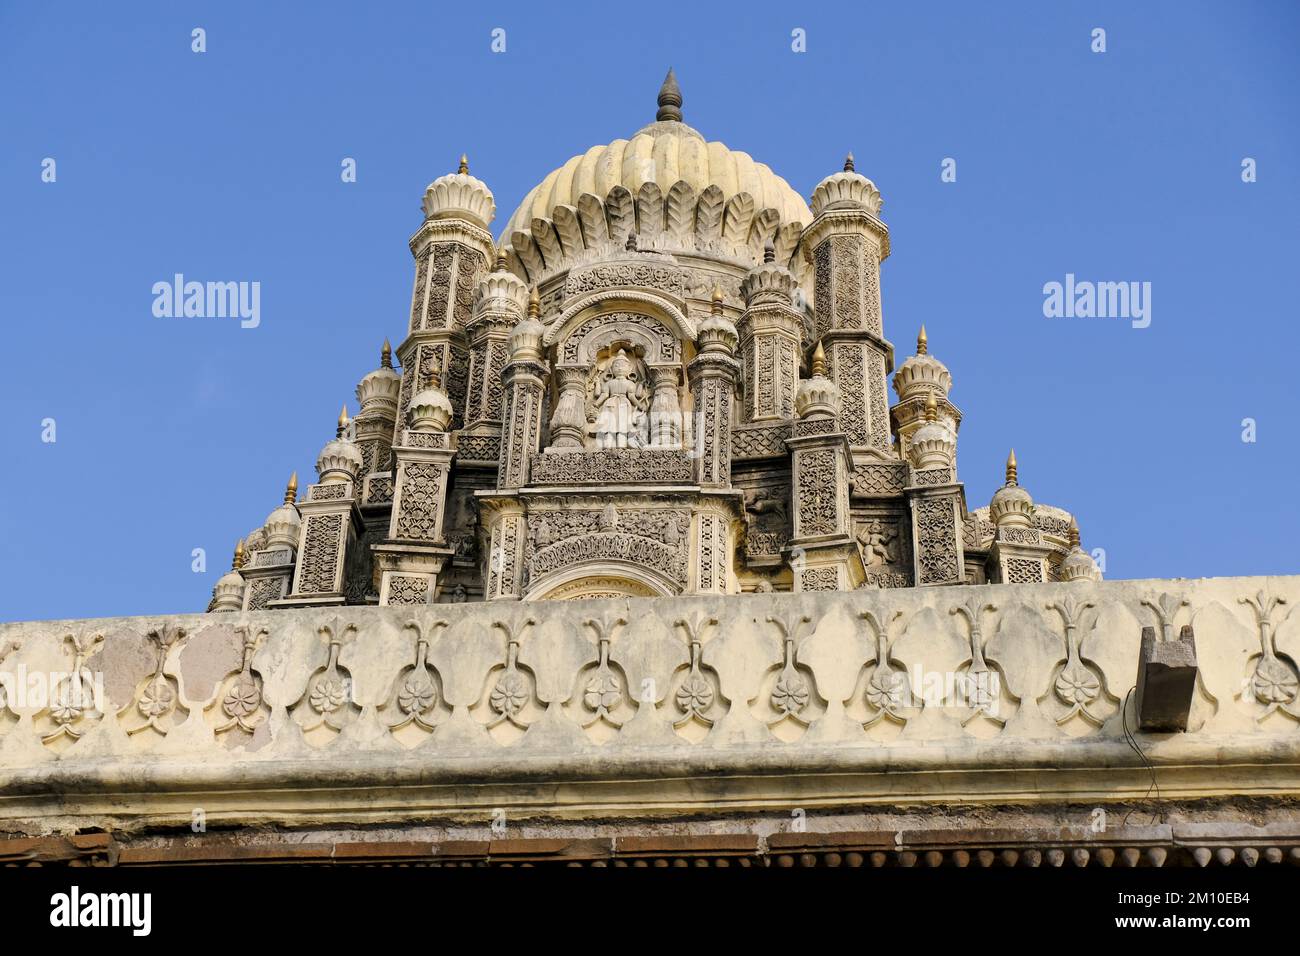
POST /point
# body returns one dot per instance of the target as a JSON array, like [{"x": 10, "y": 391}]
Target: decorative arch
[
  {"x": 603, "y": 580},
  {"x": 594, "y": 305}
]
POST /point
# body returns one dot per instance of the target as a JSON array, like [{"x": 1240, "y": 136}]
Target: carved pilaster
[
  {"x": 822, "y": 553},
  {"x": 508, "y": 534},
  {"x": 521, "y": 435},
  {"x": 488, "y": 353},
  {"x": 331, "y": 524},
  {"x": 713, "y": 383},
  {"x": 665, "y": 409},
  {"x": 712, "y": 550},
  {"x": 937, "y": 550},
  {"x": 569, "y": 422}
]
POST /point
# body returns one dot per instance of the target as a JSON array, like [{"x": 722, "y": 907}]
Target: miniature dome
[
  {"x": 1011, "y": 506},
  {"x": 459, "y": 195},
  {"x": 818, "y": 396},
  {"x": 378, "y": 391},
  {"x": 282, "y": 524},
  {"x": 1078, "y": 565},
  {"x": 526, "y": 339},
  {"x": 665, "y": 152},
  {"x": 340, "y": 460},
  {"x": 717, "y": 333},
  {"x": 922, "y": 374},
  {"x": 228, "y": 595},
  {"x": 846, "y": 190},
  {"x": 430, "y": 407},
  {"x": 500, "y": 290},
  {"x": 933, "y": 444},
  {"x": 768, "y": 282}
]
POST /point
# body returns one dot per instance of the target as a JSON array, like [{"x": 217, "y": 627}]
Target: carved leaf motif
[
  {"x": 650, "y": 209},
  {"x": 708, "y": 215},
  {"x": 681, "y": 209},
  {"x": 739, "y": 215},
  {"x": 568, "y": 229},
  {"x": 621, "y": 214},
  {"x": 591, "y": 214}
]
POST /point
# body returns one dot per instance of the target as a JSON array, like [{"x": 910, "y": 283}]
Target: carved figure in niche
[
  {"x": 620, "y": 401},
  {"x": 875, "y": 538},
  {"x": 768, "y": 506}
]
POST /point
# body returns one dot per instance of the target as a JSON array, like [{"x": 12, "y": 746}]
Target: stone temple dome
[{"x": 653, "y": 183}]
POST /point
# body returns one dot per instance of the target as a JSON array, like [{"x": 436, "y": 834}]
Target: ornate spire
[
  {"x": 238, "y": 561},
  {"x": 291, "y": 490},
  {"x": 500, "y": 265},
  {"x": 435, "y": 380},
  {"x": 463, "y": 168},
  {"x": 922, "y": 343},
  {"x": 386, "y": 355},
  {"x": 534, "y": 304},
  {"x": 848, "y": 163},
  {"x": 819, "y": 362},
  {"x": 343, "y": 421},
  {"x": 1011, "y": 468},
  {"x": 1074, "y": 535},
  {"x": 931, "y": 409},
  {"x": 716, "y": 300},
  {"x": 670, "y": 100}
]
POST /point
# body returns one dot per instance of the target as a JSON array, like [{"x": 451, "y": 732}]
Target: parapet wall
[{"x": 643, "y": 708}]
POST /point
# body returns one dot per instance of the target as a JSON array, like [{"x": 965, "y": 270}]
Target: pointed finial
[
  {"x": 291, "y": 490},
  {"x": 848, "y": 163},
  {"x": 343, "y": 421},
  {"x": 386, "y": 355},
  {"x": 463, "y": 169},
  {"x": 716, "y": 300},
  {"x": 1011, "y": 467},
  {"x": 238, "y": 561},
  {"x": 931, "y": 409},
  {"x": 922, "y": 343},
  {"x": 435, "y": 377},
  {"x": 819, "y": 362},
  {"x": 630, "y": 245},
  {"x": 1074, "y": 535},
  {"x": 670, "y": 100},
  {"x": 501, "y": 259},
  {"x": 534, "y": 304},
  {"x": 769, "y": 252}
]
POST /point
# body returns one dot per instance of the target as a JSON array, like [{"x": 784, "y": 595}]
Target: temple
[
  {"x": 670, "y": 377},
  {"x": 636, "y": 563}
]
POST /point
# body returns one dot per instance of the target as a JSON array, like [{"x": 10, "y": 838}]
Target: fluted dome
[
  {"x": 665, "y": 152},
  {"x": 1078, "y": 565},
  {"x": 500, "y": 291},
  {"x": 922, "y": 374},
  {"x": 768, "y": 281},
  {"x": 340, "y": 459},
  {"x": 459, "y": 195},
  {"x": 1011, "y": 506},
  {"x": 378, "y": 391},
  {"x": 846, "y": 190},
  {"x": 282, "y": 527},
  {"x": 818, "y": 396},
  {"x": 933, "y": 444}
]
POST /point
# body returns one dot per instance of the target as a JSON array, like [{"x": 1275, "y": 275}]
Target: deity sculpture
[
  {"x": 876, "y": 552},
  {"x": 620, "y": 401}
]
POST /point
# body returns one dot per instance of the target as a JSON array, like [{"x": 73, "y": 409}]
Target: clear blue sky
[{"x": 175, "y": 434}]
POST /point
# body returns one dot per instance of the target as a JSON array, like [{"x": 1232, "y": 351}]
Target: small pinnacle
[
  {"x": 534, "y": 304},
  {"x": 238, "y": 561},
  {"x": 463, "y": 169},
  {"x": 291, "y": 490},
  {"x": 1074, "y": 535},
  {"x": 630, "y": 245},
  {"x": 386, "y": 355},
  {"x": 716, "y": 299},
  {"x": 343, "y": 421},
  {"x": 922, "y": 343},
  {"x": 769, "y": 252},
  {"x": 501, "y": 259},
  {"x": 435, "y": 379},
  {"x": 931, "y": 409},
  {"x": 848, "y": 163},
  {"x": 670, "y": 100},
  {"x": 819, "y": 362},
  {"x": 1011, "y": 467}
]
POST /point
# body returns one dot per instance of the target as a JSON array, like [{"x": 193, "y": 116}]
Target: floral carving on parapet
[
  {"x": 1165, "y": 607},
  {"x": 157, "y": 704},
  {"x": 887, "y": 691},
  {"x": 327, "y": 705},
  {"x": 514, "y": 688},
  {"x": 75, "y": 700},
  {"x": 696, "y": 694},
  {"x": 791, "y": 693},
  {"x": 1273, "y": 682},
  {"x": 240, "y": 703},
  {"x": 979, "y": 681},
  {"x": 602, "y": 690},
  {"x": 1079, "y": 685},
  {"x": 416, "y": 694}
]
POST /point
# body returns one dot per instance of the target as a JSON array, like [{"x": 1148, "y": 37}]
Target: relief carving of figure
[
  {"x": 620, "y": 402},
  {"x": 875, "y": 539}
]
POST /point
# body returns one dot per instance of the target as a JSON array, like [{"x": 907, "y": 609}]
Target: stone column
[
  {"x": 769, "y": 341},
  {"x": 330, "y": 526},
  {"x": 713, "y": 376},
  {"x": 569, "y": 421},
  {"x": 665, "y": 409},
  {"x": 525, "y": 384},
  {"x": 504, "y": 575}
]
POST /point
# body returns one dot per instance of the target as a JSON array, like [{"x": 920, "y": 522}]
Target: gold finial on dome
[
  {"x": 931, "y": 409},
  {"x": 819, "y": 362},
  {"x": 435, "y": 377},
  {"x": 291, "y": 490},
  {"x": 500, "y": 265},
  {"x": 463, "y": 169},
  {"x": 922, "y": 343},
  {"x": 716, "y": 299},
  {"x": 1011, "y": 468},
  {"x": 238, "y": 561},
  {"x": 1074, "y": 535},
  {"x": 848, "y": 163},
  {"x": 343, "y": 421},
  {"x": 386, "y": 355},
  {"x": 670, "y": 100},
  {"x": 534, "y": 304}
]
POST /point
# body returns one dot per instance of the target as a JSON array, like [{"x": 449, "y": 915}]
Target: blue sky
[{"x": 176, "y": 434}]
